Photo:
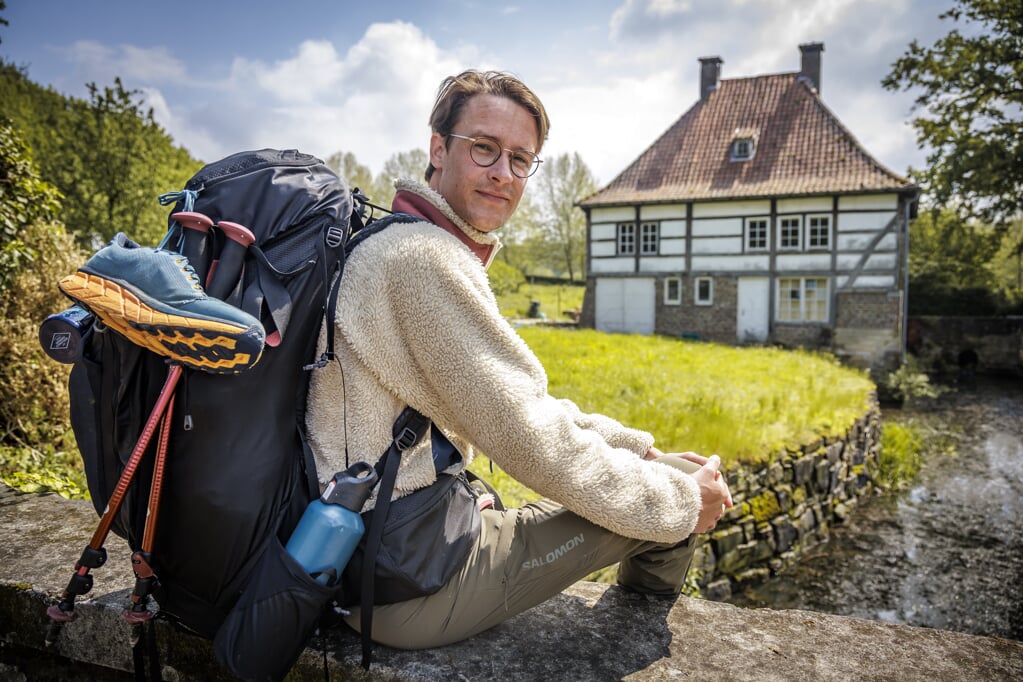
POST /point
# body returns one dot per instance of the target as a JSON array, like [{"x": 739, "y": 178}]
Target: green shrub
[
  {"x": 505, "y": 278},
  {"x": 909, "y": 382},
  {"x": 37, "y": 448},
  {"x": 901, "y": 454}
]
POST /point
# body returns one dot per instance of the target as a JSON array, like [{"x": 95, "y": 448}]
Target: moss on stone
[{"x": 765, "y": 506}]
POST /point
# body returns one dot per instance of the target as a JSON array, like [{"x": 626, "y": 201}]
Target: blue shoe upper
[{"x": 163, "y": 280}]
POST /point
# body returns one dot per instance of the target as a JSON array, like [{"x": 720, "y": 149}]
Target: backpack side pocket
[{"x": 278, "y": 611}]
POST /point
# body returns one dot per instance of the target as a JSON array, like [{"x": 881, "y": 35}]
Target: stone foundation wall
[
  {"x": 715, "y": 322},
  {"x": 787, "y": 506}
]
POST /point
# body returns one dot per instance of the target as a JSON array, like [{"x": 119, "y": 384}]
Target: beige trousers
[{"x": 523, "y": 557}]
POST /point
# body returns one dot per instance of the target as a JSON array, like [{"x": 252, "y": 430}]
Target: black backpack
[{"x": 239, "y": 472}]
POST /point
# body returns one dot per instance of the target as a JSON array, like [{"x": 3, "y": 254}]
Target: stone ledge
[{"x": 589, "y": 632}]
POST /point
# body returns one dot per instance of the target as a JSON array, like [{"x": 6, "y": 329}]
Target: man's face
[{"x": 483, "y": 197}]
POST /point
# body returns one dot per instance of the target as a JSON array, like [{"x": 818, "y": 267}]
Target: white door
[
  {"x": 625, "y": 304},
  {"x": 754, "y": 309}
]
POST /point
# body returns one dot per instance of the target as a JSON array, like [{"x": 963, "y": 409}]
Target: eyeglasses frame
[{"x": 472, "y": 142}]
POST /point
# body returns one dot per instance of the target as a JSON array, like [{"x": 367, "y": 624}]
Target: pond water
[{"x": 946, "y": 552}]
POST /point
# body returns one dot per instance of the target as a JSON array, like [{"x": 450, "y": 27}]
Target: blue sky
[{"x": 326, "y": 76}]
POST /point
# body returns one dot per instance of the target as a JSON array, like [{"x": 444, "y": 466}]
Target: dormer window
[{"x": 744, "y": 144}]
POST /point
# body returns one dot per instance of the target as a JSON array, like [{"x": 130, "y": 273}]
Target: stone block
[
  {"x": 802, "y": 470},
  {"x": 822, "y": 475},
  {"x": 719, "y": 590},
  {"x": 726, "y": 540},
  {"x": 785, "y": 534},
  {"x": 834, "y": 452}
]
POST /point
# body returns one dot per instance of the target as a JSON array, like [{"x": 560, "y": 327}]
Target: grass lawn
[
  {"x": 554, "y": 300},
  {"x": 744, "y": 404}
]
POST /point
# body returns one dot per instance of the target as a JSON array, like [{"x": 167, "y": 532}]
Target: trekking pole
[
  {"x": 194, "y": 241},
  {"x": 145, "y": 580},
  {"x": 95, "y": 555},
  {"x": 229, "y": 267}
]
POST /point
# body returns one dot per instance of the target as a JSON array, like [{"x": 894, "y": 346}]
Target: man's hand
[{"x": 714, "y": 494}]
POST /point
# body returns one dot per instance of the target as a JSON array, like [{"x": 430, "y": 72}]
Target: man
[{"x": 419, "y": 326}]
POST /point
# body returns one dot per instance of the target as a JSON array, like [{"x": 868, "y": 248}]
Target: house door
[
  {"x": 754, "y": 309},
  {"x": 625, "y": 304}
]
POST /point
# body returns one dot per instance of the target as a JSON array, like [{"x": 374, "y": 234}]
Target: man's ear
[{"x": 438, "y": 150}]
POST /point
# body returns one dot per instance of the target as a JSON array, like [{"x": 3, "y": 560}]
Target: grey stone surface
[{"x": 590, "y": 632}]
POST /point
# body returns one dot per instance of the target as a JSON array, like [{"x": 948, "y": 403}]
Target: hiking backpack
[{"x": 238, "y": 470}]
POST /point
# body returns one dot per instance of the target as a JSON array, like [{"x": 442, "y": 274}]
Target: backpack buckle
[
  {"x": 406, "y": 439},
  {"x": 335, "y": 236}
]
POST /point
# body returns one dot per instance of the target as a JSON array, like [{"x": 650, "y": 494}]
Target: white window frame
[
  {"x": 670, "y": 299},
  {"x": 811, "y": 304},
  {"x": 811, "y": 229},
  {"x": 790, "y": 226},
  {"x": 625, "y": 239},
  {"x": 742, "y": 149},
  {"x": 763, "y": 226},
  {"x": 697, "y": 290},
  {"x": 649, "y": 239}
]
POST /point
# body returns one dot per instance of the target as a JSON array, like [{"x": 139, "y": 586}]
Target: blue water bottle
[{"x": 331, "y": 527}]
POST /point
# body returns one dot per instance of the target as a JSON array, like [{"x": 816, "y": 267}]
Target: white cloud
[
  {"x": 100, "y": 64},
  {"x": 611, "y": 89},
  {"x": 373, "y": 101},
  {"x": 610, "y": 122}
]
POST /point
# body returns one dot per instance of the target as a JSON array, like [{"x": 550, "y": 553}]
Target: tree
[
  {"x": 114, "y": 144},
  {"x": 107, "y": 156},
  {"x": 524, "y": 242},
  {"x": 972, "y": 94},
  {"x": 354, "y": 173},
  {"x": 565, "y": 180},
  {"x": 410, "y": 164},
  {"x": 949, "y": 265}
]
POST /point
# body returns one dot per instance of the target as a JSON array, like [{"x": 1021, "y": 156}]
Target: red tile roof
[{"x": 802, "y": 149}]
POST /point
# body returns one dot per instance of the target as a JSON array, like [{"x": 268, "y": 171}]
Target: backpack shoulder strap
[
  {"x": 360, "y": 235},
  {"x": 409, "y": 429}
]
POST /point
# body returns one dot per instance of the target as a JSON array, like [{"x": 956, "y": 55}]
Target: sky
[{"x": 327, "y": 76}]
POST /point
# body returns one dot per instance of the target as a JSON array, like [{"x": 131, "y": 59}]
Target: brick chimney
[
  {"x": 710, "y": 72},
  {"x": 810, "y": 63}
]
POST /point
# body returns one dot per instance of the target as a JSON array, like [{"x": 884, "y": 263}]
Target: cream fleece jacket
[{"x": 419, "y": 325}]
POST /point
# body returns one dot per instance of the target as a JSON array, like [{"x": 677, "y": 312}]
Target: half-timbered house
[{"x": 757, "y": 217}]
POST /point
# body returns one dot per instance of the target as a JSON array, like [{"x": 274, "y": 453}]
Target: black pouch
[
  {"x": 427, "y": 538},
  {"x": 278, "y": 611}
]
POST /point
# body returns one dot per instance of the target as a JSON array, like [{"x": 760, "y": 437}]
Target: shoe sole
[{"x": 211, "y": 346}]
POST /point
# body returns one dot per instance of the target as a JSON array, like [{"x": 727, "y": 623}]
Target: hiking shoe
[{"x": 155, "y": 300}]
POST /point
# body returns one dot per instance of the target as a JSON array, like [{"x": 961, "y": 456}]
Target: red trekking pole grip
[
  {"x": 229, "y": 266},
  {"x": 195, "y": 245}
]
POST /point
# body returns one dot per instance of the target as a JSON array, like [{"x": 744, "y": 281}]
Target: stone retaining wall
[{"x": 787, "y": 506}]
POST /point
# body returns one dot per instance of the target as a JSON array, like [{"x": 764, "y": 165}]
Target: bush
[
  {"x": 909, "y": 382},
  {"x": 37, "y": 442},
  {"x": 901, "y": 454},
  {"x": 37, "y": 448},
  {"x": 505, "y": 278}
]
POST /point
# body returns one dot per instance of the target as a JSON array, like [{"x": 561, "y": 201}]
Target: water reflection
[{"x": 945, "y": 553}]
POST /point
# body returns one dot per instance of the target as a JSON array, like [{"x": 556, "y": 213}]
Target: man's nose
[{"x": 500, "y": 170}]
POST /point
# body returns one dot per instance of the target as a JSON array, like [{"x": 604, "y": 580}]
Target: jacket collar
[{"x": 423, "y": 202}]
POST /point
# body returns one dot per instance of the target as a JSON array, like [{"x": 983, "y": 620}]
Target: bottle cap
[{"x": 352, "y": 487}]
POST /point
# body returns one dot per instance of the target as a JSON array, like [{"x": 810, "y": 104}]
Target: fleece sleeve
[{"x": 427, "y": 324}]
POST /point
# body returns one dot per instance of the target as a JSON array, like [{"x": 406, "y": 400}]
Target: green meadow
[{"x": 744, "y": 404}]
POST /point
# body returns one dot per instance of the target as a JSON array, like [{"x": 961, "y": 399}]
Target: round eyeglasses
[{"x": 485, "y": 151}]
